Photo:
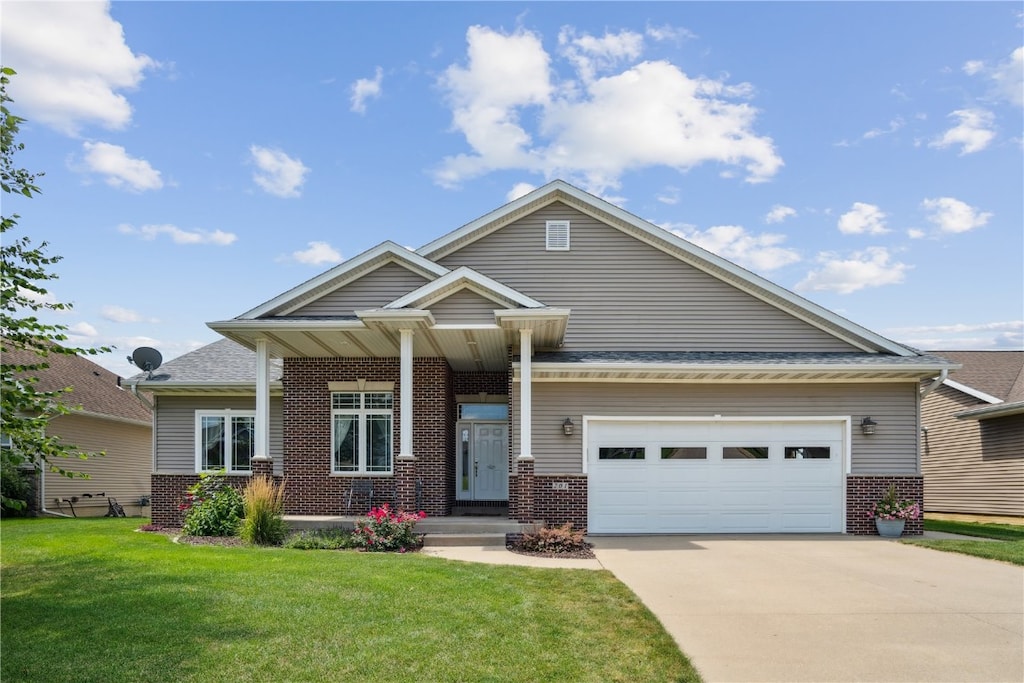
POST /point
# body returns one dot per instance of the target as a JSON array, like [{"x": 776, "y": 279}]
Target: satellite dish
[{"x": 146, "y": 358}]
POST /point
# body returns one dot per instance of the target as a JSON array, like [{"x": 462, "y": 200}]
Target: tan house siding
[
  {"x": 464, "y": 307},
  {"x": 123, "y": 473},
  {"x": 372, "y": 290},
  {"x": 176, "y": 436},
  {"x": 970, "y": 466},
  {"x": 626, "y": 295},
  {"x": 891, "y": 450}
]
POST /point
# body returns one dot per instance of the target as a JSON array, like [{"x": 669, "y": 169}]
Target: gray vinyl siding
[
  {"x": 464, "y": 307},
  {"x": 626, "y": 295},
  {"x": 970, "y": 466},
  {"x": 372, "y": 290},
  {"x": 175, "y": 420},
  {"x": 891, "y": 450},
  {"x": 123, "y": 473}
]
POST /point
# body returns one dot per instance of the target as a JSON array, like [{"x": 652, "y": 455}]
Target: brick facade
[
  {"x": 557, "y": 505},
  {"x": 863, "y": 490},
  {"x": 168, "y": 492}
]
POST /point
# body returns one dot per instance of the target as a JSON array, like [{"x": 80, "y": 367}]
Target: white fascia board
[
  {"x": 732, "y": 367},
  {"x": 413, "y": 315},
  {"x": 545, "y": 313},
  {"x": 487, "y": 287},
  {"x": 970, "y": 391},
  {"x": 282, "y": 324},
  {"x": 993, "y": 411},
  {"x": 156, "y": 386},
  {"x": 397, "y": 252}
]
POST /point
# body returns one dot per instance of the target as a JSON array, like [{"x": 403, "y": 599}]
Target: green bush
[
  {"x": 321, "y": 539},
  {"x": 212, "y": 507},
  {"x": 264, "y": 523},
  {"x": 15, "y": 488},
  {"x": 559, "y": 539}
]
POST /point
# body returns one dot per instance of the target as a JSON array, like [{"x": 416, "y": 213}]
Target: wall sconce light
[
  {"x": 867, "y": 426},
  {"x": 568, "y": 427}
]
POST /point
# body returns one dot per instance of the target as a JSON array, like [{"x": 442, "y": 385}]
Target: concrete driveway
[{"x": 827, "y": 608}]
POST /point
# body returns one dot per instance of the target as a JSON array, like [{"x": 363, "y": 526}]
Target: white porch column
[
  {"x": 405, "y": 400},
  {"x": 526, "y": 394},
  {"x": 262, "y": 445}
]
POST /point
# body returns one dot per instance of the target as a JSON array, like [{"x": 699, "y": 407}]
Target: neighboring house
[
  {"x": 972, "y": 454},
  {"x": 560, "y": 356},
  {"x": 108, "y": 418}
]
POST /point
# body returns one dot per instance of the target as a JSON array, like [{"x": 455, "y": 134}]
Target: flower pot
[{"x": 890, "y": 528}]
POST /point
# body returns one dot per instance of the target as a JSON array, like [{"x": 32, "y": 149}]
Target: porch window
[
  {"x": 225, "y": 440},
  {"x": 361, "y": 432}
]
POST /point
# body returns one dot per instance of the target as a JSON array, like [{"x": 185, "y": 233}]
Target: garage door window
[
  {"x": 745, "y": 453},
  {"x": 627, "y": 453},
  {"x": 684, "y": 453},
  {"x": 808, "y": 453}
]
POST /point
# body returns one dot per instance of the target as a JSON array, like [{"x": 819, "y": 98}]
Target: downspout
[
  {"x": 935, "y": 385},
  {"x": 135, "y": 391},
  {"x": 42, "y": 497}
]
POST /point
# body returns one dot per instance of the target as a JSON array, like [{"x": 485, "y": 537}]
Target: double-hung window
[
  {"x": 225, "y": 440},
  {"x": 361, "y": 432}
]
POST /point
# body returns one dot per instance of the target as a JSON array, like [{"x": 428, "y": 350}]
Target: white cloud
[
  {"x": 365, "y": 89},
  {"x": 916, "y": 233},
  {"x": 518, "y": 190},
  {"x": 179, "y": 236},
  {"x": 670, "y": 196},
  {"x": 669, "y": 32},
  {"x": 83, "y": 329},
  {"x": 72, "y": 63},
  {"x": 872, "y": 267},
  {"x": 962, "y": 336},
  {"x": 973, "y": 133},
  {"x": 121, "y": 170},
  {"x": 1006, "y": 77},
  {"x": 953, "y": 215},
  {"x": 757, "y": 252},
  {"x": 120, "y": 314},
  {"x": 894, "y": 126},
  {"x": 278, "y": 174},
  {"x": 779, "y": 213},
  {"x": 594, "y": 129},
  {"x": 590, "y": 55},
  {"x": 863, "y": 218},
  {"x": 317, "y": 254}
]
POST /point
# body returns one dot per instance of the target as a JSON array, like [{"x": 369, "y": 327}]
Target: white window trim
[
  {"x": 226, "y": 414},
  {"x": 556, "y": 225},
  {"x": 362, "y": 413}
]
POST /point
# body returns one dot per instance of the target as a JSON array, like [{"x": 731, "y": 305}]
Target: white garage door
[{"x": 663, "y": 476}]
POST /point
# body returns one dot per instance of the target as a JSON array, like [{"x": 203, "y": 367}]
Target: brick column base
[
  {"x": 263, "y": 466},
  {"x": 863, "y": 490},
  {"x": 523, "y": 507},
  {"x": 405, "y": 485}
]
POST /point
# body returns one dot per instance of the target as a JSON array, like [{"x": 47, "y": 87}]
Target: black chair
[{"x": 362, "y": 488}]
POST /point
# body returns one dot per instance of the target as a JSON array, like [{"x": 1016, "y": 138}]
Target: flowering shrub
[
  {"x": 385, "y": 530},
  {"x": 891, "y": 507},
  {"x": 212, "y": 507}
]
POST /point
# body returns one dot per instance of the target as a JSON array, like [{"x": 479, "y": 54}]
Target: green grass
[
  {"x": 92, "y": 600},
  {"x": 1008, "y": 545}
]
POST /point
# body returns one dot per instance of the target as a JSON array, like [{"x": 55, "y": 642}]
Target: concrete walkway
[{"x": 759, "y": 609}]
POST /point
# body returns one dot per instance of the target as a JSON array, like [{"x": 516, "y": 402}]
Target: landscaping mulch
[{"x": 586, "y": 553}]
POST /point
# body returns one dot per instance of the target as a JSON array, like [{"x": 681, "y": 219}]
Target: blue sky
[{"x": 201, "y": 158}]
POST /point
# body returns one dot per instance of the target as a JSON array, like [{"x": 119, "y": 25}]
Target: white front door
[{"x": 482, "y": 463}]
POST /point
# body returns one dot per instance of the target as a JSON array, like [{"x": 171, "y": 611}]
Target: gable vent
[{"x": 558, "y": 236}]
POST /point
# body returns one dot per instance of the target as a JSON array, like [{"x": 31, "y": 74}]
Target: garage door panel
[{"x": 699, "y": 491}]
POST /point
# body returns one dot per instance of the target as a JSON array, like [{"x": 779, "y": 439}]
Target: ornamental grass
[{"x": 264, "y": 523}]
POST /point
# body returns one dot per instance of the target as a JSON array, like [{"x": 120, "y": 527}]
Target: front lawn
[
  {"x": 92, "y": 600},
  {"x": 1008, "y": 546}
]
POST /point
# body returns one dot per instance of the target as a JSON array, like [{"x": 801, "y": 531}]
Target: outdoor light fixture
[
  {"x": 568, "y": 426},
  {"x": 867, "y": 426}
]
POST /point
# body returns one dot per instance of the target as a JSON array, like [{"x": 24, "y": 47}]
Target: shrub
[
  {"x": 559, "y": 539},
  {"x": 264, "y": 523},
  {"x": 321, "y": 539},
  {"x": 15, "y": 488},
  {"x": 212, "y": 507},
  {"x": 385, "y": 530}
]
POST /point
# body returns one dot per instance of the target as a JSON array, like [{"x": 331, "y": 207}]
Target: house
[
  {"x": 562, "y": 358},
  {"x": 105, "y": 417},
  {"x": 972, "y": 455}
]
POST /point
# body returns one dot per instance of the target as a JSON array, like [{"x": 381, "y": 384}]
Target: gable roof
[
  {"x": 999, "y": 374},
  {"x": 96, "y": 390},
  {"x": 755, "y": 285},
  {"x": 342, "y": 274},
  {"x": 222, "y": 367},
  {"x": 464, "y": 278}
]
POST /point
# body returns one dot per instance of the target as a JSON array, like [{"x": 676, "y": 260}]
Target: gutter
[
  {"x": 935, "y": 384},
  {"x": 135, "y": 392}
]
